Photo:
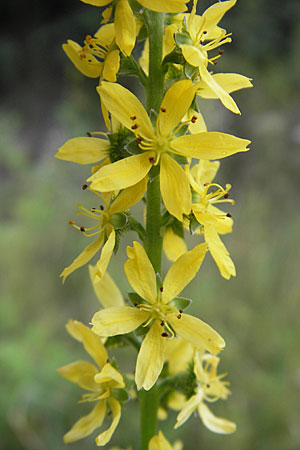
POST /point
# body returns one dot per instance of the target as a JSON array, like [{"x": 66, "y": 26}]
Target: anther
[
  {"x": 101, "y": 207},
  {"x": 151, "y": 160},
  {"x": 220, "y": 51},
  {"x": 135, "y": 126},
  {"x": 181, "y": 311},
  {"x": 93, "y": 209},
  {"x": 205, "y": 184},
  {"x": 82, "y": 56},
  {"x": 161, "y": 289},
  {"x": 162, "y": 323},
  {"x": 82, "y": 229},
  {"x": 163, "y": 109},
  {"x": 208, "y": 385},
  {"x": 193, "y": 119},
  {"x": 71, "y": 222},
  {"x": 135, "y": 303},
  {"x": 89, "y": 60},
  {"x": 84, "y": 186},
  {"x": 228, "y": 215},
  {"x": 164, "y": 334},
  {"x": 107, "y": 360},
  {"x": 89, "y": 134},
  {"x": 138, "y": 140},
  {"x": 88, "y": 37},
  {"x": 226, "y": 195},
  {"x": 215, "y": 63},
  {"x": 133, "y": 118},
  {"x": 179, "y": 316},
  {"x": 204, "y": 32}
]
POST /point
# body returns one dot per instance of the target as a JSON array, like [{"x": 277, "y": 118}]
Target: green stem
[{"x": 149, "y": 400}]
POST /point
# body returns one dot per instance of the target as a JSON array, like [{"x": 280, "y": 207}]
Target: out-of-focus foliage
[{"x": 45, "y": 101}]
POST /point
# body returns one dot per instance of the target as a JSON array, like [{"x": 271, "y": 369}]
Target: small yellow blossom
[
  {"x": 159, "y": 144},
  {"x": 106, "y": 217},
  {"x": 158, "y": 312},
  {"x": 101, "y": 381},
  {"x": 204, "y": 36},
  {"x": 99, "y": 56},
  {"x": 212, "y": 219},
  {"x": 210, "y": 388},
  {"x": 159, "y": 442}
]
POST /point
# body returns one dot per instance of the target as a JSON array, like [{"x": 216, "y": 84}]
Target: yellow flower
[
  {"x": 157, "y": 310},
  {"x": 210, "y": 388},
  {"x": 205, "y": 35},
  {"x": 213, "y": 220},
  {"x": 102, "y": 381},
  {"x": 84, "y": 150},
  {"x": 99, "y": 56},
  {"x": 159, "y": 442},
  {"x": 158, "y": 144},
  {"x": 107, "y": 220},
  {"x": 124, "y": 23}
]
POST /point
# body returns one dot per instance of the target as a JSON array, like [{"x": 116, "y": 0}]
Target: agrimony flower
[
  {"x": 107, "y": 219},
  {"x": 157, "y": 145},
  {"x": 102, "y": 381},
  {"x": 210, "y": 388},
  {"x": 157, "y": 311},
  {"x": 159, "y": 442},
  {"x": 203, "y": 36}
]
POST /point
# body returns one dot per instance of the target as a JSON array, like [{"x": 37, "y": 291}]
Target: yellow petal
[
  {"x": 179, "y": 354},
  {"x": 214, "y": 13},
  {"x": 87, "y": 424},
  {"x": 97, "y": 2},
  {"x": 219, "y": 252},
  {"x": 182, "y": 272},
  {"x": 213, "y": 423},
  {"x": 223, "y": 225},
  {"x": 105, "y": 35},
  {"x": 123, "y": 105},
  {"x": 121, "y": 174},
  {"x": 110, "y": 375},
  {"x": 159, "y": 442},
  {"x": 198, "y": 125},
  {"x": 83, "y": 258},
  {"x": 83, "y": 150},
  {"x": 205, "y": 171},
  {"x": 105, "y": 437},
  {"x": 91, "y": 69},
  {"x": 198, "y": 333},
  {"x": 187, "y": 410},
  {"x": 231, "y": 82},
  {"x": 174, "y": 186},
  {"x": 129, "y": 197},
  {"x": 151, "y": 358},
  {"x": 168, "y": 41},
  {"x": 168, "y": 6},
  {"x": 125, "y": 27},
  {"x": 106, "y": 252},
  {"x": 117, "y": 320},
  {"x": 105, "y": 289},
  {"x": 140, "y": 272},
  {"x": 225, "y": 98},
  {"x": 91, "y": 342},
  {"x": 111, "y": 66},
  {"x": 194, "y": 56},
  {"x": 176, "y": 400},
  {"x": 173, "y": 245},
  {"x": 81, "y": 373},
  {"x": 210, "y": 145},
  {"x": 175, "y": 104}
]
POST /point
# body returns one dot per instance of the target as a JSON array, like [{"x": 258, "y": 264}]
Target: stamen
[
  {"x": 179, "y": 316},
  {"x": 161, "y": 289},
  {"x": 82, "y": 229},
  {"x": 193, "y": 119},
  {"x": 226, "y": 195},
  {"x": 135, "y": 126},
  {"x": 71, "y": 222},
  {"x": 152, "y": 160},
  {"x": 162, "y": 323},
  {"x": 164, "y": 334},
  {"x": 84, "y": 187},
  {"x": 163, "y": 109},
  {"x": 132, "y": 118},
  {"x": 135, "y": 304},
  {"x": 228, "y": 215}
]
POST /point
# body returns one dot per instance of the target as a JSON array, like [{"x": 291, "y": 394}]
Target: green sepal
[
  {"x": 180, "y": 303},
  {"x": 115, "y": 342},
  {"x": 159, "y": 282},
  {"x": 182, "y": 39},
  {"x": 119, "y": 220},
  {"x": 190, "y": 71},
  {"x": 194, "y": 224},
  {"x": 133, "y": 148},
  {"x": 120, "y": 394},
  {"x": 181, "y": 159},
  {"x": 175, "y": 57},
  {"x": 135, "y": 298}
]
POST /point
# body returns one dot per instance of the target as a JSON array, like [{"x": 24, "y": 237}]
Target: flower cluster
[{"x": 161, "y": 155}]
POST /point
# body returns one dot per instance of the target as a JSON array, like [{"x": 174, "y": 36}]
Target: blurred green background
[{"x": 45, "y": 101}]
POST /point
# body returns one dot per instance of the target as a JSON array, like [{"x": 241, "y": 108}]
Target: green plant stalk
[{"x": 149, "y": 400}]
